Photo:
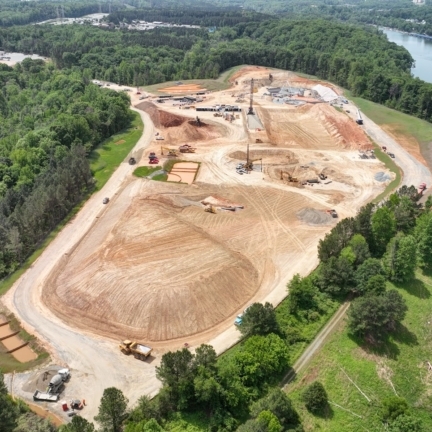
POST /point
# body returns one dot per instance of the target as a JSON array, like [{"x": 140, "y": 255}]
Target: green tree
[
  {"x": 423, "y": 235},
  {"x": 371, "y": 267},
  {"x": 383, "y": 229},
  {"x": 374, "y": 316},
  {"x": 302, "y": 294},
  {"x": 271, "y": 421},
  {"x": 335, "y": 276},
  {"x": 406, "y": 423},
  {"x": 393, "y": 407},
  {"x": 376, "y": 285},
  {"x": 31, "y": 422},
  {"x": 259, "y": 319},
  {"x": 360, "y": 248},
  {"x": 279, "y": 404},
  {"x": 8, "y": 411},
  {"x": 112, "y": 410},
  {"x": 78, "y": 424},
  {"x": 400, "y": 260},
  {"x": 315, "y": 397},
  {"x": 144, "y": 426},
  {"x": 177, "y": 371}
]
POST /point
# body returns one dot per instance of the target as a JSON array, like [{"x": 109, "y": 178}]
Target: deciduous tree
[{"x": 112, "y": 410}]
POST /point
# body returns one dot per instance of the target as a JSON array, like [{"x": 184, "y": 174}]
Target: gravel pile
[
  {"x": 382, "y": 176},
  {"x": 315, "y": 217}
]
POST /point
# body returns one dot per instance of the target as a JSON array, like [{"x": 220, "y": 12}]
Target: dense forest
[
  {"x": 15, "y": 12},
  {"x": 359, "y": 59},
  {"x": 49, "y": 121}
]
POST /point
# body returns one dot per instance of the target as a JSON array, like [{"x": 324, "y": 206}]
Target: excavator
[
  {"x": 171, "y": 152},
  {"x": 291, "y": 179},
  {"x": 186, "y": 148}
]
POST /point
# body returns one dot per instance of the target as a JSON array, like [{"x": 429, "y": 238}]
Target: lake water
[{"x": 419, "y": 48}]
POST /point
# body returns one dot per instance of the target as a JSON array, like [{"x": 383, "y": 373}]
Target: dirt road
[
  {"x": 414, "y": 172},
  {"x": 92, "y": 360}
]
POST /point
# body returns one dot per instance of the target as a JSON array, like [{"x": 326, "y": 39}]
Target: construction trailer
[
  {"x": 139, "y": 351},
  {"x": 359, "y": 119}
]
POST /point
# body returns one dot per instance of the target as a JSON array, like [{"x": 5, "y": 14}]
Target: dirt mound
[
  {"x": 314, "y": 217},
  {"x": 342, "y": 128},
  {"x": 40, "y": 379},
  {"x": 161, "y": 118}
]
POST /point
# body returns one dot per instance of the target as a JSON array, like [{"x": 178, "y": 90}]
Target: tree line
[
  {"x": 49, "y": 122},
  {"x": 21, "y": 13},
  {"x": 359, "y": 59}
]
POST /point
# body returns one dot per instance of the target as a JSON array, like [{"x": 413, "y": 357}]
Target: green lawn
[
  {"x": 401, "y": 124},
  {"x": 399, "y": 362},
  {"x": 106, "y": 158},
  {"x": 391, "y": 165},
  {"x": 145, "y": 171}
]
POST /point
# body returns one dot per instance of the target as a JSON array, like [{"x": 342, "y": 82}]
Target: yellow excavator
[
  {"x": 291, "y": 179},
  {"x": 171, "y": 152}
]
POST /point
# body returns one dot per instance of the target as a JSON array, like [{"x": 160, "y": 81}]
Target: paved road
[{"x": 93, "y": 361}]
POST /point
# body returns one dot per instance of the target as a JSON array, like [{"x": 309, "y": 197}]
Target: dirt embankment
[{"x": 177, "y": 129}]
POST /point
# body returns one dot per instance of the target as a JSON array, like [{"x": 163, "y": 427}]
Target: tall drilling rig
[{"x": 251, "y": 111}]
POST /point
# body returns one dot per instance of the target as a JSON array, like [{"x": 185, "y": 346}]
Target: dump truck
[
  {"x": 186, "y": 148},
  {"x": 139, "y": 351},
  {"x": 332, "y": 213}
]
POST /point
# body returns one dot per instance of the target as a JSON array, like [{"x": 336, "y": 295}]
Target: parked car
[{"x": 105, "y": 200}]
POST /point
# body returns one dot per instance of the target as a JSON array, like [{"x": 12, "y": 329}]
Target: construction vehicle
[
  {"x": 258, "y": 140},
  {"x": 311, "y": 181},
  {"x": 332, "y": 213},
  {"x": 57, "y": 381},
  {"x": 384, "y": 149},
  {"x": 291, "y": 179},
  {"x": 39, "y": 396},
  {"x": 198, "y": 121},
  {"x": 359, "y": 119},
  {"x": 210, "y": 209},
  {"x": 139, "y": 351},
  {"x": 171, "y": 152},
  {"x": 217, "y": 114},
  {"x": 322, "y": 176},
  {"x": 105, "y": 200},
  {"x": 248, "y": 166},
  {"x": 186, "y": 148},
  {"x": 132, "y": 161},
  {"x": 159, "y": 138}
]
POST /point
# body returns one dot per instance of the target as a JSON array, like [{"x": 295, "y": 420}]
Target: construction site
[{"x": 173, "y": 263}]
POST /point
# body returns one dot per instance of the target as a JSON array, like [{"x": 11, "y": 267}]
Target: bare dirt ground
[
  {"x": 152, "y": 265},
  {"x": 182, "y": 88}
]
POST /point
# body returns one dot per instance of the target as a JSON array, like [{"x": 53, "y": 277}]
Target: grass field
[
  {"x": 391, "y": 165},
  {"x": 399, "y": 362},
  {"x": 399, "y": 124},
  {"x": 145, "y": 171},
  {"x": 106, "y": 158}
]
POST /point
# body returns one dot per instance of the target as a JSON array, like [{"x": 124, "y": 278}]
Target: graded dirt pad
[
  {"x": 183, "y": 88},
  {"x": 183, "y": 172},
  {"x": 178, "y": 129},
  {"x": 158, "y": 271},
  {"x": 313, "y": 127}
]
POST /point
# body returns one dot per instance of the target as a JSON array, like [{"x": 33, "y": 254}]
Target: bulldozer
[
  {"x": 291, "y": 179},
  {"x": 210, "y": 209},
  {"x": 258, "y": 140},
  {"x": 186, "y": 148},
  {"x": 171, "y": 152}
]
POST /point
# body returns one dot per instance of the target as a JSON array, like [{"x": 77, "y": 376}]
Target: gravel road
[{"x": 92, "y": 360}]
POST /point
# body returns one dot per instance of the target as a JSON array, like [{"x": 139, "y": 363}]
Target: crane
[
  {"x": 171, "y": 152},
  {"x": 291, "y": 179}
]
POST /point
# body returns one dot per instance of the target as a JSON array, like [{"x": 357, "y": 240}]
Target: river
[{"x": 419, "y": 48}]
